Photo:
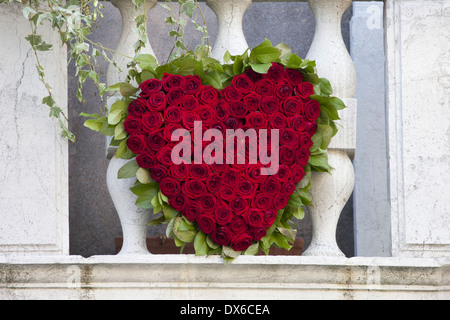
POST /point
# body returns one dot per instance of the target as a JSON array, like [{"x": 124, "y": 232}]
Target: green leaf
[
  {"x": 319, "y": 162},
  {"x": 115, "y": 116},
  {"x": 265, "y": 53},
  {"x": 280, "y": 241},
  {"x": 128, "y": 170},
  {"x": 144, "y": 201},
  {"x": 93, "y": 124},
  {"x": 127, "y": 90},
  {"x": 157, "y": 221},
  {"x": 37, "y": 43},
  {"x": 170, "y": 212},
  {"x": 252, "y": 250},
  {"x": 143, "y": 176},
  {"x": 290, "y": 234},
  {"x": 261, "y": 68},
  {"x": 169, "y": 229},
  {"x": 200, "y": 244},
  {"x": 229, "y": 252},
  {"x": 147, "y": 62},
  {"x": 157, "y": 206},
  {"x": 211, "y": 243},
  {"x": 140, "y": 188},
  {"x": 299, "y": 213},
  {"x": 284, "y": 48},
  {"x": 184, "y": 231}
]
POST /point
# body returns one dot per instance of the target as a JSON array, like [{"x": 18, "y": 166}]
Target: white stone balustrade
[
  {"x": 134, "y": 220},
  {"x": 231, "y": 36}
]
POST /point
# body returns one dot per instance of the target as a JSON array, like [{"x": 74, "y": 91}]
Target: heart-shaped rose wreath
[{"x": 223, "y": 154}]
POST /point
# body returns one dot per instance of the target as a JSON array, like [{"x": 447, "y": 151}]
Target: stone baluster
[
  {"x": 134, "y": 220},
  {"x": 330, "y": 193},
  {"x": 231, "y": 37}
]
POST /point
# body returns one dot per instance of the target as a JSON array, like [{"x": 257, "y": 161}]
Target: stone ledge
[{"x": 191, "y": 277}]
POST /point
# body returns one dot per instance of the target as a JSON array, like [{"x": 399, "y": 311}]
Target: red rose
[
  {"x": 171, "y": 82},
  {"x": 288, "y": 188},
  {"x": 157, "y": 102},
  {"x": 269, "y": 217},
  {"x": 169, "y": 129},
  {"x": 242, "y": 83},
  {"x": 241, "y": 242},
  {"x": 188, "y": 119},
  {"x": 269, "y": 105},
  {"x": 297, "y": 173},
  {"x": 194, "y": 188},
  {"x": 265, "y": 88},
  {"x": 292, "y": 106},
  {"x": 253, "y": 101},
  {"x": 253, "y": 75},
  {"x": 206, "y": 114},
  {"x": 226, "y": 192},
  {"x": 245, "y": 189},
  {"x": 277, "y": 121},
  {"x": 208, "y": 203},
  {"x": 311, "y": 110},
  {"x": 276, "y": 72},
  {"x": 136, "y": 143},
  {"x": 221, "y": 236},
  {"x": 304, "y": 140},
  {"x": 258, "y": 233},
  {"x": 151, "y": 121},
  {"x": 213, "y": 182},
  {"x": 305, "y": 90},
  {"x": 294, "y": 76},
  {"x": 262, "y": 201},
  {"x": 238, "y": 109},
  {"x": 283, "y": 89},
  {"x": 283, "y": 174},
  {"x": 191, "y": 211},
  {"x": 297, "y": 123},
  {"x": 172, "y": 114},
  {"x": 132, "y": 125},
  {"x": 256, "y": 120},
  {"x": 221, "y": 110},
  {"x": 270, "y": 186},
  {"x": 149, "y": 87},
  {"x": 145, "y": 160},
  {"x": 206, "y": 223},
  {"x": 155, "y": 140},
  {"x": 179, "y": 171},
  {"x": 230, "y": 176},
  {"x": 311, "y": 128},
  {"x": 238, "y": 224},
  {"x": 253, "y": 173},
  {"x": 280, "y": 201},
  {"x": 169, "y": 187},
  {"x": 302, "y": 156},
  {"x": 231, "y": 123},
  {"x": 192, "y": 84},
  {"x": 189, "y": 103},
  {"x": 223, "y": 215},
  {"x": 208, "y": 95},
  {"x": 158, "y": 173},
  {"x": 164, "y": 156},
  {"x": 254, "y": 218},
  {"x": 137, "y": 107},
  {"x": 287, "y": 155},
  {"x": 174, "y": 97},
  {"x": 238, "y": 205},
  {"x": 231, "y": 94},
  {"x": 178, "y": 202},
  {"x": 199, "y": 171},
  {"x": 288, "y": 138}
]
